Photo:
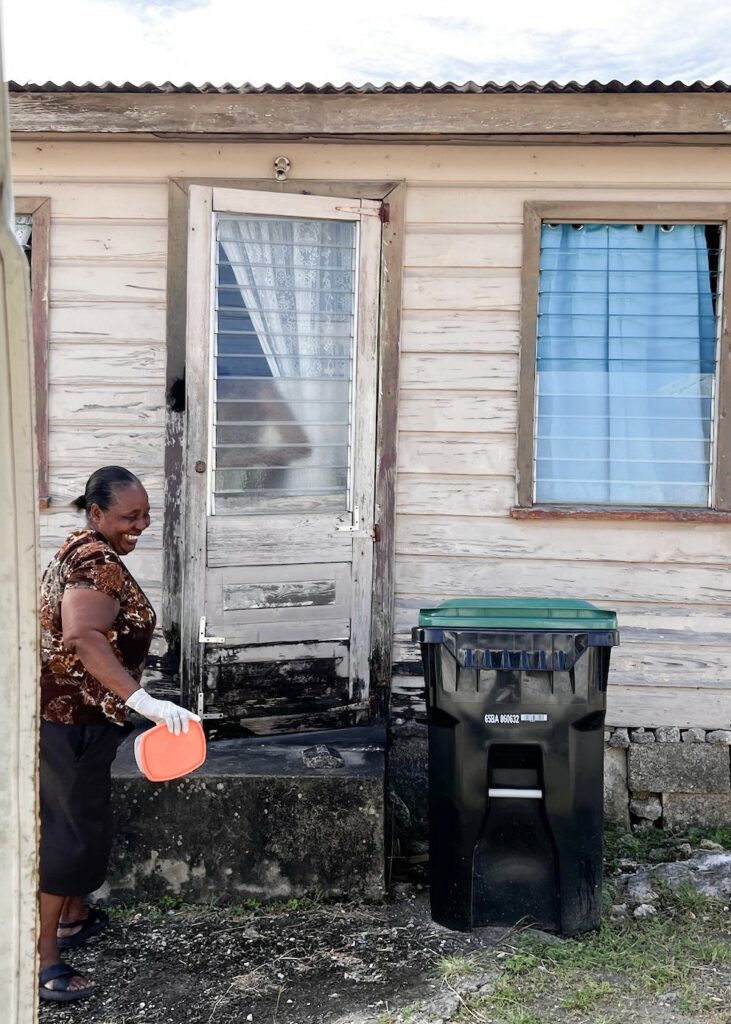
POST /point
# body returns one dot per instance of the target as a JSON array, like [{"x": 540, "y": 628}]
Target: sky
[{"x": 277, "y": 41}]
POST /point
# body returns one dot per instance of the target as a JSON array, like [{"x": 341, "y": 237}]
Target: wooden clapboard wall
[
  {"x": 668, "y": 581},
  {"x": 106, "y": 365},
  {"x": 458, "y": 387}
]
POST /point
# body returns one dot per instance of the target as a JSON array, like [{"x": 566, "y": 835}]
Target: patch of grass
[
  {"x": 166, "y": 903},
  {"x": 151, "y": 911},
  {"x": 522, "y": 961},
  {"x": 622, "y": 844},
  {"x": 298, "y": 903},
  {"x": 689, "y": 1001},
  {"x": 505, "y": 1003},
  {"x": 715, "y": 952},
  {"x": 120, "y": 912},
  {"x": 247, "y": 906},
  {"x": 720, "y": 835},
  {"x": 653, "y": 951},
  {"x": 402, "y": 1016},
  {"x": 684, "y": 948},
  {"x": 455, "y": 966},
  {"x": 517, "y": 1015},
  {"x": 688, "y": 898},
  {"x": 587, "y": 996}
]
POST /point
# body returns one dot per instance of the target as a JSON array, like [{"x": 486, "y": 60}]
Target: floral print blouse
[{"x": 69, "y": 694}]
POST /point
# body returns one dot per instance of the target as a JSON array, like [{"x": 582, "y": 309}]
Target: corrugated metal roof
[{"x": 348, "y": 89}]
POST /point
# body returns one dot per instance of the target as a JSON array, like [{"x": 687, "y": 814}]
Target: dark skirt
[{"x": 76, "y": 811}]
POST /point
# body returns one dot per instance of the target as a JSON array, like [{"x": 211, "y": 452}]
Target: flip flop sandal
[
  {"x": 94, "y": 922},
  {"x": 64, "y": 975}
]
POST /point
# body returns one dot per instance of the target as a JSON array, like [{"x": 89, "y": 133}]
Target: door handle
[{"x": 508, "y": 793}]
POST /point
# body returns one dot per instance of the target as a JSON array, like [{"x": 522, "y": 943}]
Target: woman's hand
[{"x": 175, "y": 717}]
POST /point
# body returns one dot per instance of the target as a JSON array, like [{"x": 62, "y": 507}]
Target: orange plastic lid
[{"x": 161, "y": 755}]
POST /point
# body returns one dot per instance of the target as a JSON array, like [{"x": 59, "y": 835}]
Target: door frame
[{"x": 176, "y": 541}]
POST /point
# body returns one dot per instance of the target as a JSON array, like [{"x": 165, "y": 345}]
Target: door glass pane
[{"x": 283, "y": 367}]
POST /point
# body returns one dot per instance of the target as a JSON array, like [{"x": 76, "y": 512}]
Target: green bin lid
[{"x": 521, "y": 613}]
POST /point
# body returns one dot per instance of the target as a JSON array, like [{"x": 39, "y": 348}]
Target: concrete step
[{"x": 253, "y": 821}]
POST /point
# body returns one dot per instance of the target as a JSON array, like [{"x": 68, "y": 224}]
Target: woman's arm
[{"x": 86, "y": 616}]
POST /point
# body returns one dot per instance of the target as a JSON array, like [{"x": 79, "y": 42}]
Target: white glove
[{"x": 175, "y": 717}]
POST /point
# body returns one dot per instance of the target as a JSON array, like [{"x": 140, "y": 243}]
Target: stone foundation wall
[{"x": 667, "y": 777}]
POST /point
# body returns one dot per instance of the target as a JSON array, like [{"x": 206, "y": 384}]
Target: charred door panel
[{"x": 307, "y": 681}]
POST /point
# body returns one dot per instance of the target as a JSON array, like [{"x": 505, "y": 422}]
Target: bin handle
[{"x": 520, "y": 794}]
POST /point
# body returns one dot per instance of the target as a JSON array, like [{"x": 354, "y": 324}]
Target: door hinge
[
  {"x": 355, "y": 528},
  {"x": 385, "y": 213},
  {"x": 203, "y": 639},
  {"x": 361, "y": 211}
]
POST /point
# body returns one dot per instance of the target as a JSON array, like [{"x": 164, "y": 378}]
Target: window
[
  {"x": 623, "y": 374},
  {"x": 32, "y": 224}
]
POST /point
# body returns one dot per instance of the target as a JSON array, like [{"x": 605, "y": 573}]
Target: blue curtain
[{"x": 625, "y": 365}]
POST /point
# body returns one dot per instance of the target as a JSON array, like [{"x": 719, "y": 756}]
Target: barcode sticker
[{"x": 512, "y": 719}]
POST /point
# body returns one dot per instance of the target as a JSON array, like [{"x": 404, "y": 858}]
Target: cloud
[{"x": 400, "y": 40}]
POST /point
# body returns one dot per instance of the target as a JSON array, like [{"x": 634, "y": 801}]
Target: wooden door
[{"x": 280, "y": 451}]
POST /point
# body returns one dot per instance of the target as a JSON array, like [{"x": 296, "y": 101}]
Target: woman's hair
[{"x": 101, "y": 487}]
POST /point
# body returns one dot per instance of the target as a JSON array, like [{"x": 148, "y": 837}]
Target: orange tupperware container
[{"x": 161, "y": 755}]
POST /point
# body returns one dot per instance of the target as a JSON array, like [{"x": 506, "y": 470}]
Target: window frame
[
  {"x": 39, "y": 209},
  {"x": 535, "y": 213}
]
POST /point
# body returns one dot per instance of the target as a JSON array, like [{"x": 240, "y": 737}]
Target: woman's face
[{"x": 125, "y": 519}]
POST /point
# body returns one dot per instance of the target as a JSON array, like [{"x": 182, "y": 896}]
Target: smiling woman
[{"x": 96, "y": 627}]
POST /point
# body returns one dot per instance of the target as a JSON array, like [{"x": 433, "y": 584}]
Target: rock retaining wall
[{"x": 668, "y": 777}]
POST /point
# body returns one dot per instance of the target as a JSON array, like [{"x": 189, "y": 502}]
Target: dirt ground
[{"x": 308, "y": 962}]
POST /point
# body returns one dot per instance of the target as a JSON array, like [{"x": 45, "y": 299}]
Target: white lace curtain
[{"x": 296, "y": 278}]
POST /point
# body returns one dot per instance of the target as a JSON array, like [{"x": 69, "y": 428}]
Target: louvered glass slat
[
  {"x": 278, "y": 414},
  {"x": 675, "y": 302},
  {"x": 597, "y": 448},
  {"x": 595, "y": 324},
  {"x": 278, "y": 481},
  {"x": 241, "y": 344},
  {"x": 626, "y": 364},
  {"x": 284, "y": 362},
  {"x": 274, "y": 454},
  {"x": 249, "y": 434},
  {"x": 283, "y": 390},
  {"x": 586, "y": 260}
]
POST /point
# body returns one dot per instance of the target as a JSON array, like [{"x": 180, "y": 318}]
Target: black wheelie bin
[{"x": 516, "y": 698}]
